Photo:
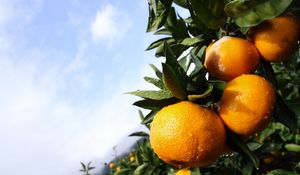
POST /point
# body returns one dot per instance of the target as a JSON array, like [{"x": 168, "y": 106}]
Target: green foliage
[
  {"x": 251, "y": 13},
  {"x": 86, "y": 168}
]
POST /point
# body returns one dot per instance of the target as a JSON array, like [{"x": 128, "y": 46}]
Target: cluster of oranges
[
  {"x": 188, "y": 135},
  {"x": 112, "y": 165}
]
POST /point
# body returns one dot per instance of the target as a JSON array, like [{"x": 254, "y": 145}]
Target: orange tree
[{"x": 204, "y": 57}]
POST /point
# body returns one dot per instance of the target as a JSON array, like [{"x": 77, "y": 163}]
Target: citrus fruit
[
  {"x": 276, "y": 39},
  {"x": 112, "y": 166},
  {"x": 187, "y": 135},
  {"x": 230, "y": 57},
  {"x": 246, "y": 104},
  {"x": 183, "y": 172},
  {"x": 131, "y": 158}
]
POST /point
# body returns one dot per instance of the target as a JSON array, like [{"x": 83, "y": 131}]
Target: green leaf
[
  {"x": 153, "y": 95},
  {"x": 254, "y": 146},
  {"x": 158, "y": 14},
  {"x": 218, "y": 84},
  {"x": 196, "y": 55},
  {"x": 141, "y": 170},
  {"x": 284, "y": 115},
  {"x": 251, "y": 13},
  {"x": 154, "y": 105},
  {"x": 237, "y": 144},
  {"x": 203, "y": 95},
  {"x": 142, "y": 117},
  {"x": 157, "y": 43},
  {"x": 149, "y": 117},
  {"x": 181, "y": 3},
  {"x": 163, "y": 31},
  {"x": 185, "y": 62},
  {"x": 139, "y": 134},
  {"x": 210, "y": 13},
  {"x": 269, "y": 147},
  {"x": 158, "y": 73},
  {"x": 159, "y": 51},
  {"x": 173, "y": 83},
  {"x": 191, "y": 41},
  {"x": 124, "y": 171},
  {"x": 268, "y": 72},
  {"x": 266, "y": 133},
  {"x": 281, "y": 172},
  {"x": 83, "y": 166},
  {"x": 294, "y": 105},
  {"x": 171, "y": 60},
  {"x": 292, "y": 147},
  {"x": 218, "y": 89},
  {"x": 176, "y": 26},
  {"x": 196, "y": 171},
  {"x": 156, "y": 82}
]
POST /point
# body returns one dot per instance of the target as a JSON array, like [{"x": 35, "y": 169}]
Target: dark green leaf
[
  {"x": 251, "y": 13},
  {"x": 157, "y": 43},
  {"x": 269, "y": 147},
  {"x": 281, "y": 172},
  {"x": 158, "y": 13},
  {"x": 268, "y": 72},
  {"x": 210, "y": 13},
  {"x": 173, "y": 83},
  {"x": 83, "y": 166},
  {"x": 203, "y": 95},
  {"x": 154, "y": 105},
  {"x": 181, "y": 3},
  {"x": 196, "y": 55},
  {"x": 153, "y": 95},
  {"x": 218, "y": 84},
  {"x": 163, "y": 31},
  {"x": 237, "y": 144},
  {"x": 284, "y": 115},
  {"x": 139, "y": 134},
  {"x": 295, "y": 106},
  {"x": 176, "y": 26},
  {"x": 149, "y": 117}
]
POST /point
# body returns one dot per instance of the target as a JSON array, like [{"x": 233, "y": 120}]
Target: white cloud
[
  {"x": 18, "y": 10},
  {"x": 45, "y": 132},
  {"x": 110, "y": 24}
]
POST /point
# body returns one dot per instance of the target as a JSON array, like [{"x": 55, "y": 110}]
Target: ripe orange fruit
[
  {"x": 183, "y": 172},
  {"x": 187, "y": 135},
  {"x": 276, "y": 39},
  {"x": 247, "y": 104},
  {"x": 268, "y": 160},
  {"x": 112, "y": 166},
  {"x": 131, "y": 158},
  {"x": 230, "y": 57}
]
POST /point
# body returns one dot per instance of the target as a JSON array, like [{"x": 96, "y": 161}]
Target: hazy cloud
[{"x": 110, "y": 24}]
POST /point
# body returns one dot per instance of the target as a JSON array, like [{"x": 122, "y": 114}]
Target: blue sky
[{"x": 64, "y": 69}]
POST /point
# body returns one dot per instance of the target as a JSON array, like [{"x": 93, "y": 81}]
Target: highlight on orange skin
[
  {"x": 276, "y": 39},
  {"x": 230, "y": 57}
]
